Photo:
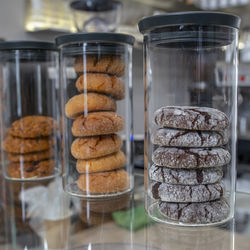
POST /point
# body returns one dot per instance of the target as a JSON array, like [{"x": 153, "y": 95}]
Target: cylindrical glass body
[
  {"x": 37, "y": 214},
  {"x": 96, "y": 16},
  {"x": 96, "y": 92},
  {"x": 190, "y": 122},
  {"x": 29, "y": 110}
]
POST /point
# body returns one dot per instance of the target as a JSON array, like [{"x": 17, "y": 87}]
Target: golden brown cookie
[
  {"x": 36, "y": 156},
  {"x": 85, "y": 103},
  {"x": 101, "y": 83},
  {"x": 97, "y": 123},
  {"x": 96, "y": 146},
  {"x": 109, "y": 64},
  {"x": 107, "y": 182},
  {"x": 31, "y": 169},
  {"x": 21, "y": 146},
  {"x": 101, "y": 164},
  {"x": 33, "y": 126}
]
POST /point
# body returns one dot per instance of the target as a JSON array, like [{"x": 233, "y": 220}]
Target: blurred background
[{"x": 46, "y": 19}]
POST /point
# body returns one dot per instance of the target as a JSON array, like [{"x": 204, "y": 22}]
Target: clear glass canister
[
  {"x": 29, "y": 110},
  {"x": 96, "y": 15},
  {"x": 190, "y": 116},
  {"x": 96, "y": 92}
]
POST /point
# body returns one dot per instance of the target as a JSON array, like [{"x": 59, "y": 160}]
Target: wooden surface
[
  {"x": 161, "y": 236},
  {"x": 164, "y": 237}
]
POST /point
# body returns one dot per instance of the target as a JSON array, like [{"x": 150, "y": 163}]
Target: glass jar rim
[
  {"x": 188, "y": 18},
  {"x": 16, "y": 45},
  {"x": 95, "y": 6},
  {"x": 95, "y": 37}
]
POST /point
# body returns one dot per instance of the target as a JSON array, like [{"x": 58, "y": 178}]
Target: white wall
[
  {"x": 138, "y": 92},
  {"x": 12, "y": 20}
]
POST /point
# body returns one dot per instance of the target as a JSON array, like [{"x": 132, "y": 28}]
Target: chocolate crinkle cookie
[
  {"x": 187, "y": 138},
  {"x": 191, "y": 118},
  {"x": 186, "y": 193},
  {"x": 191, "y": 158},
  {"x": 185, "y": 176},
  {"x": 208, "y": 212}
]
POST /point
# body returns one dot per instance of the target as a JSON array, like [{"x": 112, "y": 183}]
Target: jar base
[
  {"x": 73, "y": 190},
  {"x": 153, "y": 212},
  {"x": 57, "y": 172}
]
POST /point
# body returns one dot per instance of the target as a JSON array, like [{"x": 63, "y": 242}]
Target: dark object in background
[
  {"x": 96, "y": 15},
  {"x": 139, "y": 153}
]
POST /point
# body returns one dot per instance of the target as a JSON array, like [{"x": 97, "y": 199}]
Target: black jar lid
[
  {"x": 95, "y": 37},
  {"x": 15, "y": 45},
  {"x": 95, "y": 5},
  {"x": 192, "y": 17}
]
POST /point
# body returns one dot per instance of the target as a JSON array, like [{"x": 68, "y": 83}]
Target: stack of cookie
[
  {"x": 30, "y": 147},
  {"x": 97, "y": 146},
  {"x": 187, "y": 170}
]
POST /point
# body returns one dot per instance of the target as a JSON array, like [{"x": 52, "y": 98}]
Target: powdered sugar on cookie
[{"x": 191, "y": 118}]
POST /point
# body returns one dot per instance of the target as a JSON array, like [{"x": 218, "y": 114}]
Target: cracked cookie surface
[
  {"x": 21, "y": 146},
  {"x": 191, "y": 118},
  {"x": 84, "y": 103},
  {"x": 97, "y": 123},
  {"x": 109, "y": 64},
  {"x": 31, "y": 169},
  {"x": 191, "y": 158},
  {"x": 208, "y": 212},
  {"x": 102, "y": 164},
  {"x": 96, "y": 146},
  {"x": 33, "y": 126},
  {"x": 185, "y": 176},
  {"x": 101, "y": 83},
  {"x": 106, "y": 182},
  {"x": 186, "y": 193},
  {"x": 188, "y": 138}
]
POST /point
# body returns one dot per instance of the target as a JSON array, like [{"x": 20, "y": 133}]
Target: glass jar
[
  {"x": 96, "y": 15},
  {"x": 96, "y": 93},
  {"x": 190, "y": 116},
  {"x": 29, "y": 110},
  {"x": 38, "y": 214}
]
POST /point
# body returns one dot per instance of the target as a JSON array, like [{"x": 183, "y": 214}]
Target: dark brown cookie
[
  {"x": 31, "y": 169},
  {"x": 192, "y": 118},
  {"x": 97, "y": 123},
  {"x": 36, "y": 156},
  {"x": 186, "y": 193},
  {"x": 191, "y": 157},
  {"x": 187, "y": 138},
  {"x": 21, "y": 146},
  {"x": 185, "y": 176},
  {"x": 109, "y": 64},
  {"x": 101, "y": 83},
  {"x": 33, "y": 126},
  {"x": 198, "y": 213}
]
